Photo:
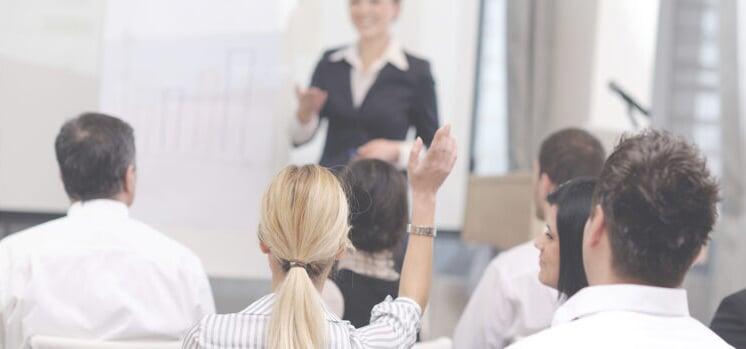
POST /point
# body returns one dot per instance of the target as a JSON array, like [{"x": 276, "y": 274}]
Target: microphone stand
[{"x": 632, "y": 104}]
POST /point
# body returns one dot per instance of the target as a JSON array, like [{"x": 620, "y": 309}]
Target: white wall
[
  {"x": 594, "y": 42},
  {"x": 443, "y": 31},
  {"x": 48, "y": 73},
  {"x": 624, "y": 53},
  {"x": 573, "y": 42}
]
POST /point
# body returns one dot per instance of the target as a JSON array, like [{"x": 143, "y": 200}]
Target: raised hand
[
  {"x": 310, "y": 102},
  {"x": 427, "y": 175}
]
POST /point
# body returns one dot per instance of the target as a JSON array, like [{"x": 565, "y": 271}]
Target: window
[
  {"x": 694, "y": 81},
  {"x": 489, "y": 153}
]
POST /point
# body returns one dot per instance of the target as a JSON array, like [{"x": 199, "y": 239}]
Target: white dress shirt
[
  {"x": 625, "y": 316},
  {"x": 361, "y": 81},
  {"x": 509, "y": 303},
  {"x": 393, "y": 324},
  {"x": 98, "y": 274}
]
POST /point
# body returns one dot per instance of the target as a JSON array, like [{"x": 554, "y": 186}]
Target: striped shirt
[{"x": 394, "y": 324}]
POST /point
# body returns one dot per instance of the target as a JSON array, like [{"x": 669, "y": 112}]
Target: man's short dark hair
[
  {"x": 571, "y": 153},
  {"x": 93, "y": 152},
  {"x": 659, "y": 202},
  {"x": 378, "y": 204},
  {"x": 573, "y": 200}
]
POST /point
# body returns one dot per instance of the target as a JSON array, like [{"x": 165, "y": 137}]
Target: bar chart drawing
[
  {"x": 203, "y": 110},
  {"x": 204, "y": 98}
]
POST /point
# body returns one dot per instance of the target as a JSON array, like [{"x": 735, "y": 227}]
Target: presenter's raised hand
[{"x": 310, "y": 102}]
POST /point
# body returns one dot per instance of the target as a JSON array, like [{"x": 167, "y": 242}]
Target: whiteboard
[{"x": 199, "y": 86}]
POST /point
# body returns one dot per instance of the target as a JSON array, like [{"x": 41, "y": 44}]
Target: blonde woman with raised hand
[{"x": 303, "y": 230}]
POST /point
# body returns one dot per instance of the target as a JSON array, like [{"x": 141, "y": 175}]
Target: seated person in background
[
  {"x": 730, "y": 320},
  {"x": 303, "y": 229},
  {"x": 378, "y": 216},
  {"x": 97, "y": 273},
  {"x": 509, "y": 302},
  {"x": 653, "y": 210},
  {"x": 561, "y": 258}
]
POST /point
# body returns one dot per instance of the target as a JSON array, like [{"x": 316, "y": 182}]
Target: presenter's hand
[
  {"x": 381, "y": 149},
  {"x": 310, "y": 102},
  {"x": 426, "y": 175}
]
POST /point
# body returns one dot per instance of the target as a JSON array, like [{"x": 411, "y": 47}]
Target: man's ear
[
  {"x": 547, "y": 186},
  {"x": 264, "y": 248},
  {"x": 130, "y": 180},
  {"x": 597, "y": 226}
]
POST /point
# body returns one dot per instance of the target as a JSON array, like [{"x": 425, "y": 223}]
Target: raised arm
[{"x": 425, "y": 178}]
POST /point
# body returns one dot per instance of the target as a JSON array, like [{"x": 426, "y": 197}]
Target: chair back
[{"x": 46, "y": 342}]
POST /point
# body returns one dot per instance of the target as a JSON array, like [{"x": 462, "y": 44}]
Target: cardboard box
[{"x": 500, "y": 210}]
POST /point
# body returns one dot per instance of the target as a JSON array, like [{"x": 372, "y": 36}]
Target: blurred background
[{"x": 208, "y": 86}]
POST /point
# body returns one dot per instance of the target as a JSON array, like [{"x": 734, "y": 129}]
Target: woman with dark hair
[
  {"x": 378, "y": 215},
  {"x": 561, "y": 258}
]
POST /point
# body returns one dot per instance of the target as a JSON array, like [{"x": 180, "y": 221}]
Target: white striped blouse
[{"x": 394, "y": 324}]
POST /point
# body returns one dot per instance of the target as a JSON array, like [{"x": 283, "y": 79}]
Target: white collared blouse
[{"x": 361, "y": 80}]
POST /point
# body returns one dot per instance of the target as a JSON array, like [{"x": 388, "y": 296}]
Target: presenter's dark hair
[
  {"x": 378, "y": 204},
  {"x": 571, "y": 153},
  {"x": 94, "y": 151},
  {"x": 573, "y": 200},
  {"x": 660, "y": 204}
]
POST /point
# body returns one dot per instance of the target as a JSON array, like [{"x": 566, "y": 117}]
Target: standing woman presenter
[{"x": 371, "y": 92}]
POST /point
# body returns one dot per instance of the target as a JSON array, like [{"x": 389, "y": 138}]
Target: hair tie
[{"x": 297, "y": 264}]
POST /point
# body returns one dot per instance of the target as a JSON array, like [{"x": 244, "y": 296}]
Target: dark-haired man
[
  {"x": 510, "y": 302},
  {"x": 653, "y": 211},
  {"x": 97, "y": 273}
]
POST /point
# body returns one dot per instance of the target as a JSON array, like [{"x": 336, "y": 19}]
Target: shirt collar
[
  {"x": 379, "y": 265},
  {"x": 99, "y": 208},
  {"x": 394, "y": 54},
  {"x": 651, "y": 300}
]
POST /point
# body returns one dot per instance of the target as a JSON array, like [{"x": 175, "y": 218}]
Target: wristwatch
[{"x": 422, "y": 231}]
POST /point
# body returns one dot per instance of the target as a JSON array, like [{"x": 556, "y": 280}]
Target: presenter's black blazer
[
  {"x": 396, "y": 100},
  {"x": 730, "y": 320}
]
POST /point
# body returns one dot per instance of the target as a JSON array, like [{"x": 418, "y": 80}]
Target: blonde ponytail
[
  {"x": 304, "y": 224},
  {"x": 297, "y": 318}
]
